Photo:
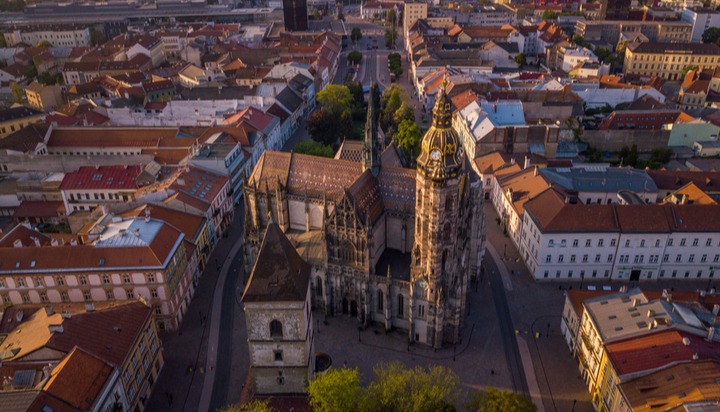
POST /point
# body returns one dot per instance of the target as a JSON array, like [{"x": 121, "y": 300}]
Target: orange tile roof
[
  {"x": 674, "y": 386},
  {"x": 112, "y": 136},
  {"x": 191, "y": 225},
  {"x": 694, "y": 195},
  {"x": 489, "y": 163},
  {"x": 525, "y": 185},
  {"x": 79, "y": 378}
]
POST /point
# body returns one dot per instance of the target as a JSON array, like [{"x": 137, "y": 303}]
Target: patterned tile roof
[
  {"x": 351, "y": 150},
  {"x": 397, "y": 188},
  {"x": 366, "y": 195},
  {"x": 318, "y": 174}
]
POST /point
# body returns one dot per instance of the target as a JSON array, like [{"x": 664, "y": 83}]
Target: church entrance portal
[
  {"x": 345, "y": 306},
  {"x": 353, "y": 308}
]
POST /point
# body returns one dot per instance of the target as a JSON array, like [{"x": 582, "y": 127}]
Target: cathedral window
[
  {"x": 446, "y": 231},
  {"x": 448, "y": 203},
  {"x": 318, "y": 286},
  {"x": 276, "y": 330},
  {"x": 380, "y": 300},
  {"x": 417, "y": 256},
  {"x": 401, "y": 305},
  {"x": 444, "y": 260}
]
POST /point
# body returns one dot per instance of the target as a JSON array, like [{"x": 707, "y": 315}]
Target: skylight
[{"x": 97, "y": 176}]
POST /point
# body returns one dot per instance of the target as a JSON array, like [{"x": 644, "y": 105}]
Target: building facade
[{"x": 667, "y": 60}]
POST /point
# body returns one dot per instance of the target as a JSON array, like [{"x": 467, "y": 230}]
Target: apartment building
[
  {"x": 206, "y": 191},
  {"x": 701, "y": 18},
  {"x": 102, "y": 356},
  {"x": 561, "y": 239},
  {"x": 43, "y": 97},
  {"x": 119, "y": 259},
  {"x": 16, "y": 118},
  {"x": 667, "y": 60},
  {"x": 59, "y": 35},
  {"x": 412, "y": 12},
  {"x": 656, "y": 31},
  {"x": 92, "y": 186}
]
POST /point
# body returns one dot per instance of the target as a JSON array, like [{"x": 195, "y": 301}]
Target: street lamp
[{"x": 574, "y": 402}]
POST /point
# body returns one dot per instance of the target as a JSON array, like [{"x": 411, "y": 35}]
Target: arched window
[
  {"x": 401, "y": 305},
  {"x": 448, "y": 203},
  {"x": 380, "y": 300},
  {"x": 417, "y": 256},
  {"x": 446, "y": 231},
  {"x": 318, "y": 286},
  {"x": 276, "y": 330},
  {"x": 444, "y": 260}
]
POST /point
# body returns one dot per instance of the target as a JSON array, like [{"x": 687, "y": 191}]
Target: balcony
[{"x": 583, "y": 361}]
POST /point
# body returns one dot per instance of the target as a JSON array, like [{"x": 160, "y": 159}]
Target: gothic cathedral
[{"x": 387, "y": 244}]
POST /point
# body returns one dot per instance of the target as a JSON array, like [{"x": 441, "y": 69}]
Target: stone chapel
[{"x": 386, "y": 244}]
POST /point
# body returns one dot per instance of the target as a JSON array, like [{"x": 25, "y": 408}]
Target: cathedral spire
[{"x": 371, "y": 151}]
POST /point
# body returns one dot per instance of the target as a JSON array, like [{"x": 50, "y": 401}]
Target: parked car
[
  {"x": 369, "y": 47},
  {"x": 374, "y": 46}
]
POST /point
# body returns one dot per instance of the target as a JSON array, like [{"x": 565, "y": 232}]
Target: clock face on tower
[
  {"x": 435, "y": 155},
  {"x": 421, "y": 284}
]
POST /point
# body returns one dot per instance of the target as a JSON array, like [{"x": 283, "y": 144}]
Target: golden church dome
[{"x": 441, "y": 152}]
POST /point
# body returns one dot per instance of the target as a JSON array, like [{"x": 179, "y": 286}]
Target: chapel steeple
[{"x": 371, "y": 149}]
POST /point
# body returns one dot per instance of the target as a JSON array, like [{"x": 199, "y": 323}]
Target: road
[{"x": 512, "y": 353}]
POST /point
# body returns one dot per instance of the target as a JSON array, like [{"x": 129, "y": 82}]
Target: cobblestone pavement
[{"x": 478, "y": 359}]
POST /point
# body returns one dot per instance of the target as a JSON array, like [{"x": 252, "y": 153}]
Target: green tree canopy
[
  {"x": 391, "y": 35},
  {"x": 17, "y": 91},
  {"x": 354, "y": 57},
  {"x": 394, "y": 102},
  {"x": 43, "y": 43},
  {"x": 356, "y": 34},
  {"x": 337, "y": 390},
  {"x": 322, "y": 126},
  {"x": 521, "y": 59},
  {"x": 494, "y": 400},
  {"x": 311, "y": 147},
  {"x": 391, "y": 16},
  {"x": 390, "y": 90},
  {"x": 356, "y": 90},
  {"x": 408, "y": 137},
  {"x": 252, "y": 406},
  {"x": 345, "y": 126},
  {"x": 604, "y": 55},
  {"x": 549, "y": 15},
  {"x": 316, "y": 14},
  {"x": 335, "y": 99},
  {"x": 711, "y": 35},
  {"x": 405, "y": 112}
]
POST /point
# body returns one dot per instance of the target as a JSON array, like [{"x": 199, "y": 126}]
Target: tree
[
  {"x": 30, "y": 72},
  {"x": 337, "y": 390},
  {"x": 408, "y": 137},
  {"x": 391, "y": 16},
  {"x": 252, "y": 406},
  {"x": 97, "y": 37},
  {"x": 356, "y": 34},
  {"x": 549, "y": 15},
  {"x": 316, "y": 14},
  {"x": 345, "y": 126},
  {"x": 313, "y": 148},
  {"x": 354, "y": 57},
  {"x": 687, "y": 69},
  {"x": 496, "y": 401},
  {"x": 335, "y": 98},
  {"x": 405, "y": 112},
  {"x": 390, "y": 90},
  {"x": 43, "y": 43},
  {"x": 322, "y": 126},
  {"x": 711, "y": 35},
  {"x": 394, "y": 102},
  {"x": 604, "y": 55},
  {"x": 17, "y": 91},
  {"x": 391, "y": 35},
  {"x": 356, "y": 90},
  {"x": 521, "y": 59}
]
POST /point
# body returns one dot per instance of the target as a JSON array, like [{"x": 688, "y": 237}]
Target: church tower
[
  {"x": 443, "y": 207},
  {"x": 371, "y": 147}
]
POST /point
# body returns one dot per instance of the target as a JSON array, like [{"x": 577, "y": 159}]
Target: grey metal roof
[
  {"x": 289, "y": 99},
  {"x": 601, "y": 179}
]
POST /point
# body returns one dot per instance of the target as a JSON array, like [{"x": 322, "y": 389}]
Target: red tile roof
[
  {"x": 25, "y": 235},
  {"x": 190, "y": 225},
  {"x": 79, "y": 378},
  {"x": 38, "y": 208},
  {"x": 102, "y": 178},
  {"x": 120, "y": 136},
  {"x": 200, "y": 184}
]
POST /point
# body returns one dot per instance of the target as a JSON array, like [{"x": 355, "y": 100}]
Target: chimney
[
  {"x": 137, "y": 232},
  {"x": 695, "y": 356},
  {"x": 46, "y": 371},
  {"x": 527, "y": 162},
  {"x": 55, "y": 328},
  {"x": 711, "y": 333},
  {"x": 635, "y": 303},
  {"x": 66, "y": 315},
  {"x": 716, "y": 309},
  {"x": 49, "y": 310},
  {"x": 89, "y": 307},
  {"x": 18, "y": 317},
  {"x": 73, "y": 242},
  {"x": 17, "y": 243},
  {"x": 686, "y": 341},
  {"x": 54, "y": 242},
  {"x": 494, "y": 108},
  {"x": 650, "y": 313},
  {"x": 37, "y": 241},
  {"x": 537, "y": 170},
  {"x": 623, "y": 288}
]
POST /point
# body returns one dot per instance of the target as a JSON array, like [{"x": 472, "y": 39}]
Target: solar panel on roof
[{"x": 23, "y": 378}]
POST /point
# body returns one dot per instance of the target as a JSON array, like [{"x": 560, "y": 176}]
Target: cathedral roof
[
  {"x": 390, "y": 157},
  {"x": 280, "y": 274},
  {"x": 351, "y": 150},
  {"x": 366, "y": 195},
  {"x": 397, "y": 188}
]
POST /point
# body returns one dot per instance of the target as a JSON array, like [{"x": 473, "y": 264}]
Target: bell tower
[{"x": 438, "y": 280}]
